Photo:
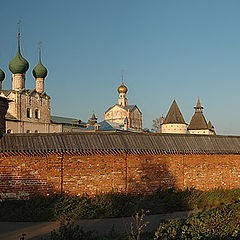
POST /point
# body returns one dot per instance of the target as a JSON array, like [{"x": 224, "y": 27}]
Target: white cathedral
[{"x": 124, "y": 114}]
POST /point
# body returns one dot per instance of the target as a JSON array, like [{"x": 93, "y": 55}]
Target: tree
[{"x": 156, "y": 126}]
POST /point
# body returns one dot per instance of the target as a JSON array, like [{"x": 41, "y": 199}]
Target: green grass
[{"x": 59, "y": 207}]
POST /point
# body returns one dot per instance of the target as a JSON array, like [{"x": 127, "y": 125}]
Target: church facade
[
  {"x": 123, "y": 113},
  {"x": 29, "y": 109}
]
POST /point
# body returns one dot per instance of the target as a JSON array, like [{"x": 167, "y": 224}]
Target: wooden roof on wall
[{"x": 118, "y": 142}]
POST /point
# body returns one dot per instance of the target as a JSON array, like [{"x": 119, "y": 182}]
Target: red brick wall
[{"x": 21, "y": 176}]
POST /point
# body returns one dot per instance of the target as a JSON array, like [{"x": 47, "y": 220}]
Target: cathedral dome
[
  {"x": 2, "y": 75},
  {"x": 122, "y": 89},
  {"x": 40, "y": 71},
  {"x": 18, "y": 64}
]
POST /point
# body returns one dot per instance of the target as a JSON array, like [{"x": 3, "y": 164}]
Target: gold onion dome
[
  {"x": 19, "y": 64},
  {"x": 2, "y": 75},
  {"x": 122, "y": 88},
  {"x": 39, "y": 71}
]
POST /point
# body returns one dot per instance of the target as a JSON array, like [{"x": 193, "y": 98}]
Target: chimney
[{"x": 3, "y": 110}]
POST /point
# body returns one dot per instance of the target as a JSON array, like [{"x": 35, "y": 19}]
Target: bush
[
  {"x": 220, "y": 223},
  {"x": 63, "y": 207}
]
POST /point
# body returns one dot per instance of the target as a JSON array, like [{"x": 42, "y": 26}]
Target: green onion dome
[
  {"x": 2, "y": 75},
  {"x": 18, "y": 64},
  {"x": 40, "y": 71}
]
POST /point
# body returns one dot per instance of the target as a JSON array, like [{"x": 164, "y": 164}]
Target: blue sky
[{"x": 167, "y": 48}]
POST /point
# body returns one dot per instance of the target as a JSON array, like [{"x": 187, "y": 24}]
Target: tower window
[
  {"x": 9, "y": 131},
  {"x": 28, "y": 131},
  {"x": 37, "y": 114},
  {"x": 29, "y": 113}
]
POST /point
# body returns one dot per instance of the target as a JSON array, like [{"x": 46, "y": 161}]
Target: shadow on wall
[
  {"x": 23, "y": 185},
  {"x": 146, "y": 175}
]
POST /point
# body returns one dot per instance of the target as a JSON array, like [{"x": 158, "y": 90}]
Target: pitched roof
[
  {"x": 124, "y": 142},
  {"x": 107, "y": 126},
  {"x": 174, "y": 115},
  {"x": 68, "y": 121},
  {"x": 128, "y": 107}
]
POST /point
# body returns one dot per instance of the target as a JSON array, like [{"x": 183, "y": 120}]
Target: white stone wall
[
  {"x": 18, "y": 81},
  {"x": 136, "y": 119},
  {"x": 35, "y": 102},
  {"x": 204, "y": 131},
  {"x": 116, "y": 114},
  {"x": 174, "y": 128},
  {"x": 31, "y": 127}
]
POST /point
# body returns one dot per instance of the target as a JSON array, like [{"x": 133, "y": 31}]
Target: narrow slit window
[
  {"x": 28, "y": 113},
  {"x": 36, "y": 113}
]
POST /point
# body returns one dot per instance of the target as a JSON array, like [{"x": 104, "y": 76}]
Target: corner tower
[
  {"x": 174, "y": 121},
  {"x": 198, "y": 124},
  {"x": 18, "y": 66}
]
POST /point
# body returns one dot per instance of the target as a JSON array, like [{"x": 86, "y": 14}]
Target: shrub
[{"x": 220, "y": 223}]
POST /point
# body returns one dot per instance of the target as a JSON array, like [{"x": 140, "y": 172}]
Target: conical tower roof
[
  {"x": 174, "y": 115},
  {"x": 198, "y": 106},
  {"x": 198, "y": 121}
]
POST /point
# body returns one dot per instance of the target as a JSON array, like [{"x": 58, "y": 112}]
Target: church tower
[
  {"x": 18, "y": 66},
  {"x": 118, "y": 113},
  {"x": 40, "y": 73},
  {"x": 122, "y": 90}
]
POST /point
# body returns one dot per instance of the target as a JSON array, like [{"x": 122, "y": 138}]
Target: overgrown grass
[{"x": 59, "y": 207}]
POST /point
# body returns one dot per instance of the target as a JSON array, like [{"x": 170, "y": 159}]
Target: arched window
[
  {"x": 29, "y": 113},
  {"x": 37, "y": 114},
  {"x": 9, "y": 131},
  {"x": 36, "y": 131},
  {"x": 28, "y": 131}
]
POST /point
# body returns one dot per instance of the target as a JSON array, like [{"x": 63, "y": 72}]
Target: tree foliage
[{"x": 156, "y": 126}]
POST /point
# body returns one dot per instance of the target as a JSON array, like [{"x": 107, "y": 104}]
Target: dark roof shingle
[
  {"x": 174, "y": 115},
  {"x": 126, "y": 142}
]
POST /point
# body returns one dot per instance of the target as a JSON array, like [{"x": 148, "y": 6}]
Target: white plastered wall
[{"x": 174, "y": 128}]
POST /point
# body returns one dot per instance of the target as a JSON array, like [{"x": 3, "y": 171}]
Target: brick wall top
[{"x": 119, "y": 142}]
